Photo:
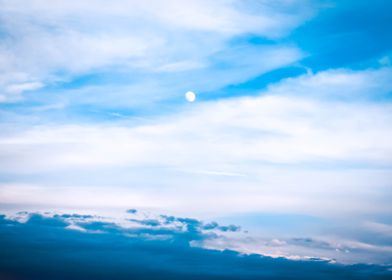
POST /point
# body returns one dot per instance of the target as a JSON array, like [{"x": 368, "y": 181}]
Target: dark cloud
[
  {"x": 193, "y": 224},
  {"x": 147, "y": 222},
  {"x": 75, "y": 216},
  {"x": 229, "y": 228},
  {"x": 44, "y": 248},
  {"x": 310, "y": 242},
  {"x": 132, "y": 211}
]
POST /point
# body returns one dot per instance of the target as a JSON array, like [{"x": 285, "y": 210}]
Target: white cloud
[
  {"x": 18, "y": 88},
  {"x": 169, "y": 81},
  {"x": 289, "y": 127},
  {"x": 341, "y": 84},
  {"x": 53, "y": 41},
  {"x": 12, "y": 85},
  {"x": 285, "y": 128},
  {"x": 332, "y": 248},
  {"x": 218, "y": 16},
  {"x": 287, "y": 151}
]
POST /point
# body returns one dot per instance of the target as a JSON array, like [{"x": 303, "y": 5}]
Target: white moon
[{"x": 190, "y": 96}]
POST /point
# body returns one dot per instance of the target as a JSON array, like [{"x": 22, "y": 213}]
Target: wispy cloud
[
  {"x": 54, "y": 42},
  {"x": 286, "y": 124}
]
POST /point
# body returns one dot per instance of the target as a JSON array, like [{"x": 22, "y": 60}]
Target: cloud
[
  {"x": 132, "y": 211},
  {"x": 286, "y": 124},
  {"x": 15, "y": 83},
  {"x": 338, "y": 84},
  {"x": 234, "y": 16},
  {"x": 334, "y": 153},
  {"x": 99, "y": 122},
  {"x": 330, "y": 246},
  {"x": 18, "y": 88},
  {"x": 293, "y": 149},
  {"x": 45, "y": 247},
  {"x": 60, "y": 41}
]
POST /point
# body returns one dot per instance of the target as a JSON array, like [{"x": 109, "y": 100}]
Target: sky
[{"x": 283, "y": 160}]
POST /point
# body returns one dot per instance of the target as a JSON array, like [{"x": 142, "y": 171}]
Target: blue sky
[{"x": 289, "y": 136}]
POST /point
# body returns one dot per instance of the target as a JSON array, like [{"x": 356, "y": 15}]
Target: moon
[{"x": 190, "y": 96}]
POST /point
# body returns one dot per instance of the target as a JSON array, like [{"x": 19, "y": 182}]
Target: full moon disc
[{"x": 190, "y": 96}]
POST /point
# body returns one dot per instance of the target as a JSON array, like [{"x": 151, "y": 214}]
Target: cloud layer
[{"x": 47, "y": 247}]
